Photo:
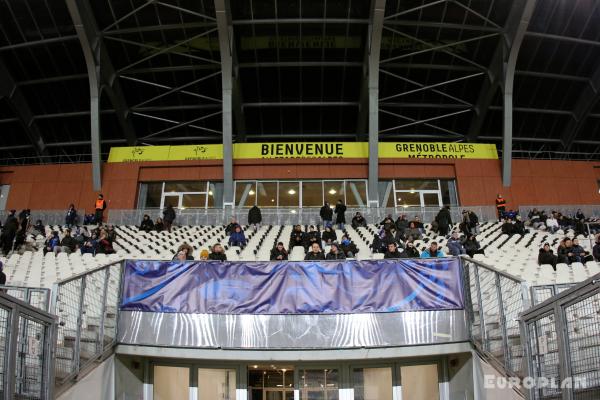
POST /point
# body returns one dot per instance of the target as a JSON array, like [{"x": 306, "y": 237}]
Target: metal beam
[
  {"x": 12, "y": 93},
  {"x": 237, "y": 94},
  {"x": 42, "y": 42},
  {"x": 586, "y": 102},
  {"x": 300, "y": 64},
  {"x": 282, "y": 21},
  {"x": 301, "y": 104},
  {"x": 560, "y": 38}
]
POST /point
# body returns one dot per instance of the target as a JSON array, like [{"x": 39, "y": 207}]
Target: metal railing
[
  {"x": 541, "y": 293},
  {"x": 290, "y": 216},
  {"x": 86, "y": 306},
  {"x": 494, "y": 300},
  {"x": 36, "y": 297},
  {"x": 27, "y": 338},
  {"x": 562, "y": 337},
  {"x": 48, "y": 217},
  {"x": 589, "y": 210}
]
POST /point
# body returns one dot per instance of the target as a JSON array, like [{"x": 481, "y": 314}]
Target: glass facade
[
  {"x": 180, "y": 194},
  {"x": 407, "y": 193}
]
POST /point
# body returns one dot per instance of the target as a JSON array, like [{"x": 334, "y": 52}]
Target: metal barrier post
[
  {"x": 100, "y": 344},
  {"x": 502, "y": 319},
  {"x": 480, "y": 305},
  {"x": 77, "y": 348},
  {"x": 563, "y": 354},
  {"x": 11, "y": 349}
]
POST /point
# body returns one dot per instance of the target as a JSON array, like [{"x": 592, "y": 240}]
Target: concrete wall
[{"x": 99, "y": 384}]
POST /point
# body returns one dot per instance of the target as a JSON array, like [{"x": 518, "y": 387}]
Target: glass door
[
  {"x": 171, "y": 199},
  {"x": 431, "y": 199}
]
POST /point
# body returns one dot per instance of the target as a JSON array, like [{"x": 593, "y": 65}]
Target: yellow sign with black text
[{"x": 304, "y": 150}]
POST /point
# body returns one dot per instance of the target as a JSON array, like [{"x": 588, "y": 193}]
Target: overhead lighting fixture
[
  {"x": 291, "y": 191},
  {"x": 293, "y": 211},
  {"x": 251, "y": 193},
  {"x": 412, "y": 191},
  {"x": 405, "y": 206},
  {"x": 272, "y": 200},
  {"x": 255, "y": 366},
  {"x": 210, "y": 193},
  {"x": 332, "y": 191}
]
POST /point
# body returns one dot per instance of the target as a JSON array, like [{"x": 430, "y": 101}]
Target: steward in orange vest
[
  {"x": 100, "y": 207},
  {"x": 500, "y": 206}
]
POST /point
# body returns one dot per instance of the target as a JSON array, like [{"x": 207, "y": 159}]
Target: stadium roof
[{"x": 300, "y": 73}]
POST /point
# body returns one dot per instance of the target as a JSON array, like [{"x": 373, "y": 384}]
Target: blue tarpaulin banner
[{"x": 288, "y": 287}]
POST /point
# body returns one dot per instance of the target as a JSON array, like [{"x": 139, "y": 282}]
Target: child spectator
[
  {"x": 237, "y": 237},
  {"x": 203, "y": 255},
  {"x": 278, "y": 253}
]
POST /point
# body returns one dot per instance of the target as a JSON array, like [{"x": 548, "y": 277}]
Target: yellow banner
[{"x": 303, "y": 150}]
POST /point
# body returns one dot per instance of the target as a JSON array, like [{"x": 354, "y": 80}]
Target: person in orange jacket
[
  {"x": 100, "y": 207},
  {"x": 500, "y": 206}
]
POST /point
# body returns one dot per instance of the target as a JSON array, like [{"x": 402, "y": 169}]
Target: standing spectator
[
  {"x": 296, "y": 237},
  {"x": 169, "y": 217},
  {"x": 444, "y": 220},
  {"x": 51, "y": 242},
  {"x": 71, "y": 217},
  {"x": 159, "y": 225},
  {"x": 278, "y": 253},
  {"x": 237, "y": 237},
  {"x": 11, "y": 216},
  {"x": 9, "y": 233},
  {"x": 413, "y": 231},
  {"x": 100, "y": 206},
  {"x": 231, "y": 226},
  {"x": 335, "y": 253},
  {"x": 340, "y": 216},
  {"x": 596, "y": 249},
  {"x": 2, "y": 274},
  {"x": 254, "y": 217},
  {"x": 311, "y": 237},
  {"x": 410, "y": 251},
  {"x": 329, "y": 236},
  {"x": 402, "y": 223},
  {"x": 348, "y": 248},
  {"x": 217, "y": 254},
  {"x": 326, "y": 214},
  {"x": 472, "y": 246},
  {"x": 546, "y": 256},
  {"x": 455, "y": 245},
  {"x": 552, "y": 224},
  {"x": 392, "y": 251},
  {"x": 146, "y": 224},
  {"x": 579, "y": 214},
  {"x": 500, "y": 206},
  {"x": 359, "y": 221},
  {"x": 315, "y": 253},
  {"x": 432, "y": 251}
]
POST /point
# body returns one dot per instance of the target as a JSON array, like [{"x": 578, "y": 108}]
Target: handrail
[{"x": 24, "y": 293}]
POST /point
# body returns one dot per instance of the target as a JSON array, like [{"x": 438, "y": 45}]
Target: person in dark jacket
[
  {"x": 67, "y": 245},
  {"x": 217, "y": 253},
  {"x": 254, "y": 217},
  {"x": 146, "y": 224},
  {"x": 392, "y": 251},
  {"x": 546, "y": 256},
  {"x": 2, "y": 274},
  {"x": 340, "y": 216},
  {"x": 402, "y": 224},
  {"x": 472, "y": 246},
  {"x": 71, "y": 217},
  {"x": 359, "y": 221},
  {"x": 237, "y": 237},
  {"x": 596, "y": 249},
  {"x": 90, "y": 245},
  {"x": 296, "y": 237},
  {"x": 315, "y": 253},
  {"x": 326, "y": 214},
  {"x": 231, "y": 226},
  {"x": 11, "y": 216},
  {"x": 169, "y": 217},
  {"x": 278, "y": 253},
  {"x": 444, "y": 220},
  {"x": 104, "y": 243},
  {"x": 348, "y": 248},
  {"x": 9, "y": 232},
  {"x": 579, "y": 253},
  {"x": 187, "y": 250},
  {"x": 410, "y": 251},
  {"x": 159, "y": 225},
  {"x": 564, "y": 252},
  {"x": 455, "y": 245},
  {"x": 335, "y": 253},
  {"x": 39, "y": 228},
  {"x": 329, "y": 236},
  {"x": 312, "y": 236}
]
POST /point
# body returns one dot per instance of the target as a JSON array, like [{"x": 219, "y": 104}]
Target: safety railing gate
[
  {"x": 86, "y": 307},
  {"x": 26, "y": 343},
  {"x": 541, "y": 293},
  {"x": 562, "y": 341},
  {"x": 494, "y": 300},
  {"x": 37, "y": 297}
]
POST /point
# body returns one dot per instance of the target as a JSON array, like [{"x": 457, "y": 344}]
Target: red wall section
[{"x": 478, "y": 181}]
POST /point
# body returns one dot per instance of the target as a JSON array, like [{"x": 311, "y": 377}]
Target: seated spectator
[
  {"x": 579, "y": 253},
  {"x": 231, "y": 226},
  {"x": 39, "y": 228},
  {"x": 146, "y": 224},
  {"x": 378, "y": 245},
  {"x": 90, "y": 245},
  {"x": 472, "y": 246},
  {"x": 359, "y": 221},
  {"x": 218, "y": 253},
  {"x": 329, "y": 236},
  {"x": 89, "y": 219},
  {"x": 315, "y": 253},
  {"x": 237, "y": 237},
  {"x": 51, "y": 242},
  {"x": 180, "y": 256},
  {"x": 455, "y": 245},
  {"x": 348, "y": 248},
  {"x": 104, "y": 243},
  {"x": 410, "y": 251},
  {"x": 296, "y": 237},
  {"x": 511, "y": 214},
  {"x": 79, "y": 237},
  {"x": 203, "y": 255},
  {"x": 278, "y": 253},
  {"x": 392, "y": 251},
  {"x": 67, "y": 244},
  {"x": 432, "y": 251},
  {"x": 111, "y": 233},
  {"x": 418, "y": 224},
  {"x": 159, "y": 225},
  {"x": 535, "y": 219},
  {"x": 71, "y": 217},
  {"x": 387, "y": 222},
  {"x": 335, "y": 253},
  {"x": 402, "y": 224},
  {"x": 187, "y": 250},
  {"x": 596, "y": 249},
  {"x": 552, "y": 224},
  {"x": 519, "y": 226},
  {"x": 312, "y": 236},
  {"x": 546, "y": 256},
  {"x": 254, "y": 217},
  {"x": 413, "y": 231},
  {"x": 508, "y": 227}
]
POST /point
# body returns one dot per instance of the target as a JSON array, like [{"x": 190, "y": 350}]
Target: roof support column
[
  {"x": 373, "y": 79},
  {"x": 227, "y": 87}
]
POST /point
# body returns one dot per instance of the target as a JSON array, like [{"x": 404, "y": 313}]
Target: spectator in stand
[
  {"x": 146, "y": 225},
  {"x": 378, "y": 245},
  {"x": 24, "y": 217},
  {"x": 71, "y": 217},
  {"x": 326, "y": 214},
  {"x": 90, "y": 245},
  {"x": 444, "y": 220},
  {"x": 508, "y": 227},
  {"x": 546, "y": 256},
  {"x": 500, "y": 206},
  {"x": 552, "y": 223},
  {"x": 472, "y": 246},
  {"x": 402, "y": 223},
  {"x": 203, "y": 255},
  {"x": 432, "y": 251},
  {"x": 278, "y": 253},
  {"x": 359, "y": 221},
  {"x": 347, "y": 247},
  {"x": 535, "y": 219},
  {"x": 410, "y": 251},
  {"x": 519, "y": 226},
  {"x": 100, "y": 206},
  {"x": 168, "y": 217},
  {"x": 329, "y": 236},
  {"x": 418, "y": 224},
  {"x": 104, "y": 243},
  {"x": 335, "y": 253},
  {"x": 340, "y": 216},
  {"x": 312, "y": 236},
  {"x": 254, "y": 217},
  {"x": 579, "y": 253},
  {"x": 413, "y": 231},
  {"x": 387, "y": 222},
  {"x": 231, "y": 226},
  {"x": 159, "y": 225},
  {"x": 11, "y": 216},
  {"x": 51, "y": 242},
  {"x": 315, "y": 253},
  {"x": 465, "y": 224},
  {"x": 39, "y": 228},
  {"x": 455, "y": 245},
  {"x": 237, "y": 237},
  {"x": 565, "y": 252},
  {"x": 296, "y": 237},
  {"x": 187, "y": 250},
  {"x": 180, "y": 256},
  {"x": 9, "y": 233},
  {"x": 392, "y": 251},
  {"x": 68, "y": 244},
  {"x": 2, "y": 274},
  {"x": 579, "y": 215},
  {"x": 89, "y": 219},
  {"x": 596, "y": 249},
  {"x": 217, "y": 254}
]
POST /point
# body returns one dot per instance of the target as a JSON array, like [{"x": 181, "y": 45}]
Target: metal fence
[
  {"x": 562, "y": 337},
  {"x": 494, "y": 301},
  {"x": 589, "y": 210},
  {"x": 290, "y": 216},
  {"x": 48, "y": 217},
  {"x": 86, "y": 306},
  {"x": 36, "y": 297},
  {"x": 541, "y": 293},
  {"x": 27, "y": 338}
]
